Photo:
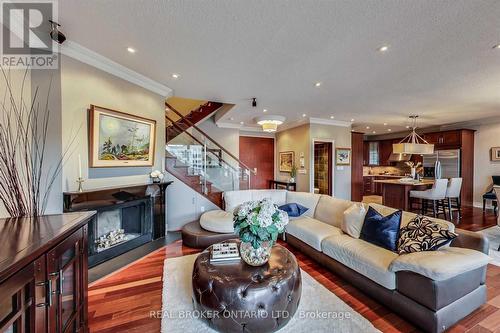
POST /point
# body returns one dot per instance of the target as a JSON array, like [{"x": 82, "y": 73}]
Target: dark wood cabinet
[
  {"x": 385, "y": 151},
  {"x": 357, "y": 161},
  {"x": 43, "y": 274},
  {"x": 444, "y": 140}
]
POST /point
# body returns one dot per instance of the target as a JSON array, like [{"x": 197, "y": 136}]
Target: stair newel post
[{"x": 205, "y": 166}]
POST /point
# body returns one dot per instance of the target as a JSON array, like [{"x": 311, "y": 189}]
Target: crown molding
[
  {"x": 331, "y": 122},
  {"x": 89, "y": 57}
]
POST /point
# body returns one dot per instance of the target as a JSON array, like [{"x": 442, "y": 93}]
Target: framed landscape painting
[
  {"x": 287, "y": 159},
  {"x": 343, "y": 156},
  {"x": 495, "y": 154},
  {"x": 119, "y": 139}
]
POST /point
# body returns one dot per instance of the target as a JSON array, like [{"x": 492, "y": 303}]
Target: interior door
[{"x": 258, "y": 154}]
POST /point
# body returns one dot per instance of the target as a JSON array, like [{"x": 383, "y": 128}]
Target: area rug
[
  {"x": 493, "y": 235},
  {"x": 315, "y": 300}
]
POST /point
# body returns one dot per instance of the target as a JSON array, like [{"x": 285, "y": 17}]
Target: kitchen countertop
[
  {"x": 392, "y": 176},
  {"x": 397, "y": 182}
]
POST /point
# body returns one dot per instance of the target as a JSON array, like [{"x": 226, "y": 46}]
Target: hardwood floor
[{"x": 122, "y": 302}]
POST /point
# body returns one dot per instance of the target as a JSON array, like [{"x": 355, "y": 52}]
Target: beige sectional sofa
[{"x": 432, "y": 289}]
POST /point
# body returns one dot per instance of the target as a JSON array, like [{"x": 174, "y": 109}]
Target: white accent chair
[
  {"x": 436, "y": 195},
  {"x": 453, "y": 194}
]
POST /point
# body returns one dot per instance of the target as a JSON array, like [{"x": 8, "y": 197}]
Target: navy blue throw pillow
[
  {"x": 293, "y": 209},
  {"x": 381, "y": 230}
]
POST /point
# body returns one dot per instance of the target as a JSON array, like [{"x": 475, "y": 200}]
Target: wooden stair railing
[{"x": 192, "y": 117}]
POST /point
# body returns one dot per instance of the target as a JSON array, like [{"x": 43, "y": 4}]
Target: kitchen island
[{"x": 396, "y": 194}]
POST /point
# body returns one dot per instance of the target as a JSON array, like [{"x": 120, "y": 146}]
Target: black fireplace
[
  {"x": 119, "y": 228},
  {"x": 127, "y": 217}
]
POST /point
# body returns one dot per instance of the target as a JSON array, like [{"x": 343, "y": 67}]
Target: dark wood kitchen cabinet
[
  {"x": 446, "y": 139},
  {"x": 43, "y": 274}
]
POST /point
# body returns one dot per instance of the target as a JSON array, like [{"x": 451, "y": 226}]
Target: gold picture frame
[
  {"x": 343, "y": 156},
  {"x": 495, "y": 154},
  {"x": 119, "y": 139},
  {"x": 287, "y": 161}
]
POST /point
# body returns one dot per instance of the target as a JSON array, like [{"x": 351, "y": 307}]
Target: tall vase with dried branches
[{"x": 26, "y": 177}]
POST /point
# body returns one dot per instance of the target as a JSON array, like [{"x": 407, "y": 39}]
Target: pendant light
[
  {"x": 270, "y": 123},
  {"x": 413, "y": 143}
]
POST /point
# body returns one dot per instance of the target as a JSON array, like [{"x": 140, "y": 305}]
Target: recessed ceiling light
[
  {"x": 303, "y": 115},
  {"x": 383, "y": 48},
  {"x": 407, "y": 126},
  {"x": 242, "y": 123},
  {"x": 317, "y": 84},
  {"x": 175, "y": 76},
  {"x": 265, "y": 110},
  {"x": 367, "y": 127},
  {"x": 374, "y": 132},
  {"x": 497, "y": 46},
  {"x": 232, "y": 118},
  {"x": 352, "y": 120},
  {"x": 131, "y": 49},
  {"x": 332, "y": 117},
  {"x": 385, "y": 124},
  {"x": 389, "y": 130}
]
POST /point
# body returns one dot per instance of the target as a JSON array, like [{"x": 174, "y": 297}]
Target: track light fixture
[
  {"x": 254, "y": 102},
  {"x": 55, "y": 34}
]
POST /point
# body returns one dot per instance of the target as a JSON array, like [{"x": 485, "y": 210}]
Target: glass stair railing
[{"x": 200, "y": 161}]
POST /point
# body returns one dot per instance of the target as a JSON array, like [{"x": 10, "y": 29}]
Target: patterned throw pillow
[{"x": 421, "y": 234}]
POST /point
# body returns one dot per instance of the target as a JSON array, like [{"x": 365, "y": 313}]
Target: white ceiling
[{"x": 440, "y": 63}]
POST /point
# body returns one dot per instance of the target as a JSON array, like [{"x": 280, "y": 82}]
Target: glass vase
[{"x": 255, "y": 257}]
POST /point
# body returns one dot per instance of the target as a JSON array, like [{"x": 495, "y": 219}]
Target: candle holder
[{"x": 80, "y": 181}]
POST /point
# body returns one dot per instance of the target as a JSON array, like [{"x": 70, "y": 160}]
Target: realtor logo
[{"x": 26, "y": 41}]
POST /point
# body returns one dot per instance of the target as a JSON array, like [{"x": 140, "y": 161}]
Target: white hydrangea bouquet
[{"x": 258, "y": 224}]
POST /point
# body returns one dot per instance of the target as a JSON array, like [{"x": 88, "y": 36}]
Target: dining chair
[
  {"x": 436, "y": 195},
  {"x": 453, "y": 191}
]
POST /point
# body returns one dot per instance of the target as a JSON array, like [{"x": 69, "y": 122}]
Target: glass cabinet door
[{"x": 64, "y": 270}]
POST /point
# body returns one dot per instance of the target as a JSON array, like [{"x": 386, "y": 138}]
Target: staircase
[
  {"x": 199, "y": 161},
  {"x": 193, "y": 117}
]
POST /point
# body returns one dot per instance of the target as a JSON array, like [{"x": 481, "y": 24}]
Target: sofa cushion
[
  {"x": 293, "y": 209},
  {"x": 421, "y": 234},
  {"x": 407, "y": 216},
  {"x": 331, "y": 210},
  {"x": 233, "y": 199},
  {"x": 217, "y": 221},
  {"x": 353, "y": 219},
  {"x": 381, "y": 230},
  {"x": 442, "y": 264},
  {"x": 306, "y": 199},
  {"x": 311, "y": 231},
  {"x": 365, "y": 258}
]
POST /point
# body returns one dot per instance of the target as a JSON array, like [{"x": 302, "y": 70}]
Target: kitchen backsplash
[{"x": 393, "y": 170}]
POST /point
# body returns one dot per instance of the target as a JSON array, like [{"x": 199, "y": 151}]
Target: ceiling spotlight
[
  {"x": 374, "y": 132},
  {"x": 383, "y": 48},
  {"x": 407, "y": 126},
  {"x": 385, "y": 124},
  {"x": 242, "y": 123},
  {"x": 232, "y": 118},
  {"x": 304, "y": 115},
  {"x": 254, "y": 102},
  {"x": 317, "y": 84},
  {"x": 389, "y": 130},
  {"x": 352, "y": 120},
  {"x": 175, "y": 76},
  {"x": 131, "y": 49},
  {"x": 265, "y": 110},
  {"x": 497, "y": 46},
  {"x": 367, "y": 127},
  {"x": 55, "y": 34},
  {"x": 332, "y": 117}
]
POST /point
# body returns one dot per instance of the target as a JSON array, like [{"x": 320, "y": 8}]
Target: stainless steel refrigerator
[{"x": 449, "y": 160}]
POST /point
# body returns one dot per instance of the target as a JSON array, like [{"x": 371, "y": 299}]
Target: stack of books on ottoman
[{"x": 224, "y": 252}]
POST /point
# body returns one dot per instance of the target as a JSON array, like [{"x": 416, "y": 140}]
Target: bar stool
[
  {"x": 436, "y": 194},
  {"x": 453, "y": 194}
]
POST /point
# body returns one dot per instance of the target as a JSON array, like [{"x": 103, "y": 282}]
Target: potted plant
[
  {"x": 413, "y": 168},
  {"x": 293, "y": 174},
  {"x": 258, "y": 224}
]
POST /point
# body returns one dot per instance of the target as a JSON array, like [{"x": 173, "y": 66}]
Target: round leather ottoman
[{"x": 236, "y": 297}]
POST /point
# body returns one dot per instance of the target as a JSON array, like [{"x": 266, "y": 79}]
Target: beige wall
[
  {"x": 486, "y": 136},
  {"x": 341, "y": 137},
  {"x": 297, "y": 140},
  {"x": 83, "y": 85}
]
